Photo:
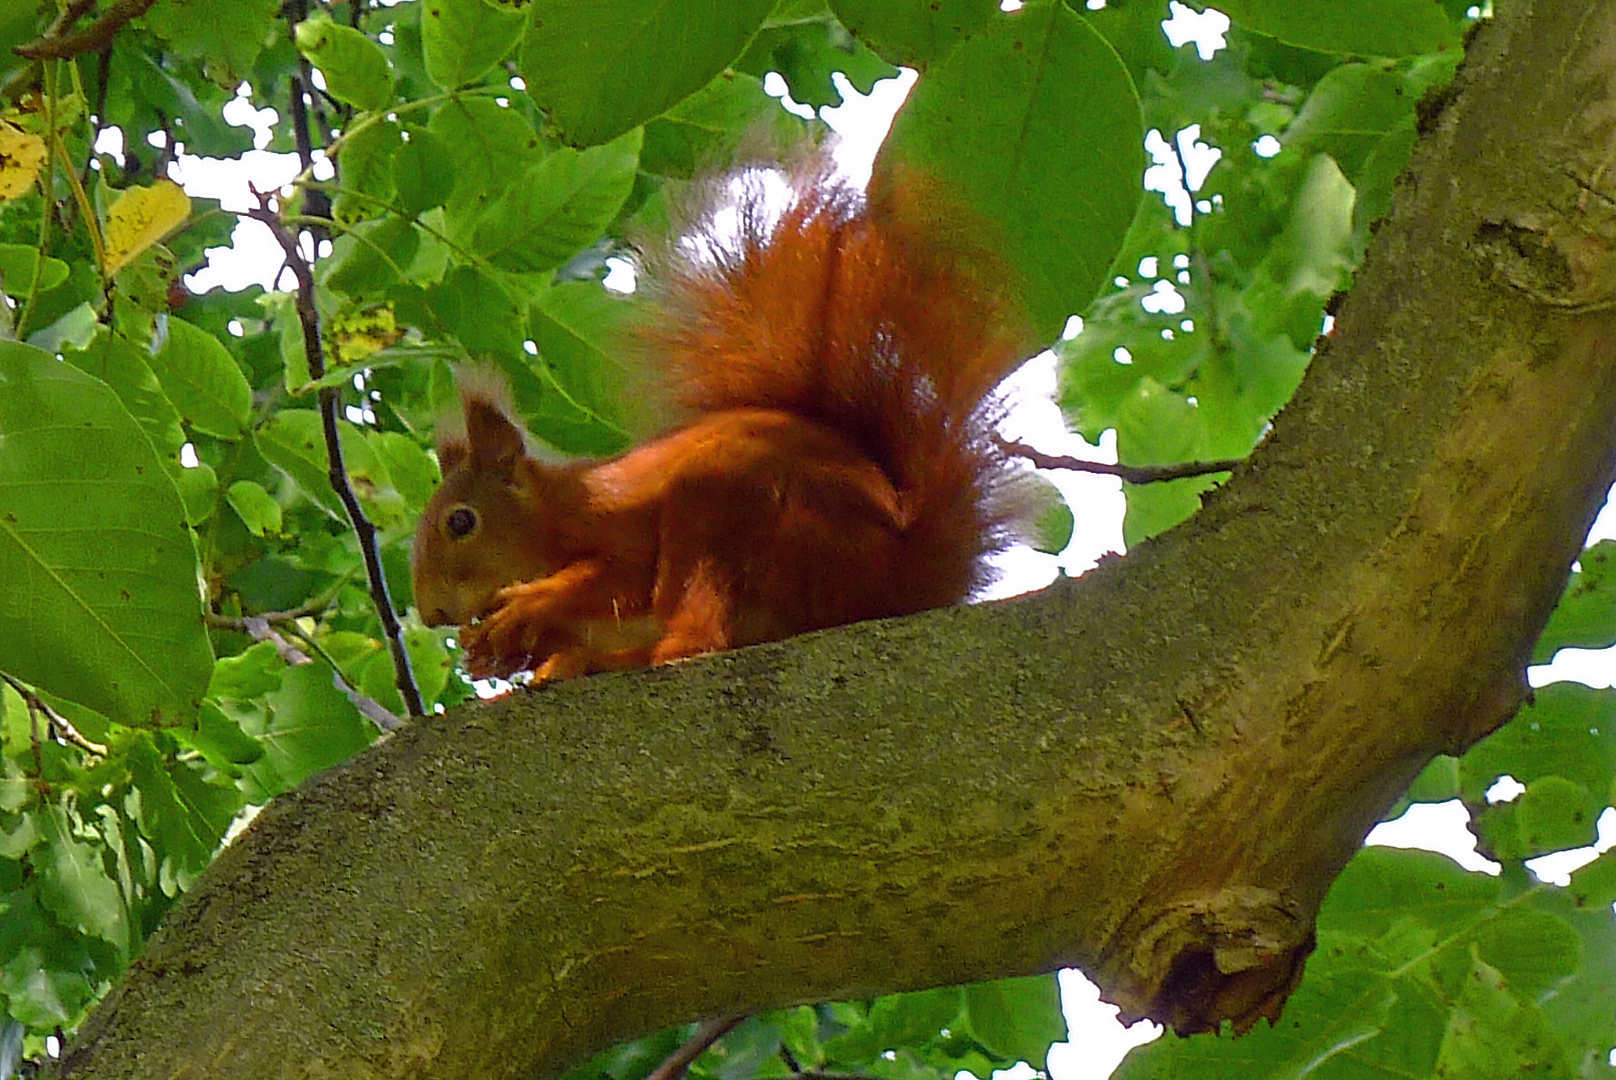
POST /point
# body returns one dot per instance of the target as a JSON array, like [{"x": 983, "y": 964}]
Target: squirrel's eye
[{"x": 461, "y": 522}]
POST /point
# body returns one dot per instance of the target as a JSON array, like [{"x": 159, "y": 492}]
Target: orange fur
[{"x": 838, "y": 359}]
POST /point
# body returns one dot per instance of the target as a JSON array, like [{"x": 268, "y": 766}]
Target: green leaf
[
  {"x": 1437, "y": 782},
  {"x": 1018, "y": 1018},
  {"x": 355, "y": 68},
  {"x": 601, "y": 68},
  {"x": 1577, "y": 1006},
  {"x": 73, "y": 882},
  {"x": 1593, "y": 886},
  {"x": 799, "y": 1034},
  {"x": 42, "y": 990},
  {"x": 183, "y": 815},
  {"x": 430, "y": 661},
  {"x": 221, "y": 741},
  {"x": 256, "y": 507},
  {"x": 1379, "y": 173},
  {"x": 373, "y": 255},
  {"x": 22, "y": 832},
  {"x": 366, "y": 157},
  {"x": 101, "y": 604},
  {"x": 809, "y": 54},
  {"x": 198, "y": 488},
  {"x": 413, "y": 473},
  {"x": 203, "y": 381},
  {"x": 305, "y": 726},
  {"x": 1494, "y": 1033},
  {"x": 18, "y": 265},
  {"x": 1349, "y": 113},
  {"x": 476, "y": 309},
  {"x": 1569, "y": 730},
  {"x": 1553, "y": 814},
  {"x": 424, "y": 171},
  {"x": 1156, "y": 425},
  {"x": 1365, "y": 27},
  {"x": 249, "y": 674},
  {"x": 44, "y": 975},
  {"x": 116, "y": 361},
  {"x": 229, "y": 36},
  {"x": 1585, "y": 618},
  {"x": 1556, "y": 814},
  {"x": 293, "y": 440},
  {"x": 75, "y": 329},
  {"x": 1051, "y": 521},
  {"x": 1135, "y": 31},
  {"x": 559, "y": 207},
  {"x": 915, "y": 35},
  {"x": 492, "y": 147},
  {"x": 691, "y": 135},
  {"x": 461, "y": 39},
  {"x": 1006, "y": 121},
  {"x": 1312, "y": 255},
  {"x": 585, "y": 399},
  {"x": 147, "y": 91},
  {"x": 19, "y": 24},
  {"x": 900, "y": 1020}
]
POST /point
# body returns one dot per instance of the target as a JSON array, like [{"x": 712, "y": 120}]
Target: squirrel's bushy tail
[{"x": 877, "y": 317}]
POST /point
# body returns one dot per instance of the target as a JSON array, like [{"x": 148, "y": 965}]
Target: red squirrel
[{"x": 838, "y": 358}]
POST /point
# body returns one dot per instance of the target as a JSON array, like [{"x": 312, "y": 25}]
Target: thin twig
[
  {"x": 1133, "y": 474},
  {"x": 315, "y": 201},
  {"x": 337, "y": 471},
  {"x": 674, "y": 1065},
  {"x": 314, "y": 353},
  {"x": 315, "y": 606},
  {"x": 259, "y": 628},
  {"x": 97, "y": 37},
  {"x": 38, "y": 706}
]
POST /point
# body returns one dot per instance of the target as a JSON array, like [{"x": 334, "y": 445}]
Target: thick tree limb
[{"x": 1152, "y": 773}]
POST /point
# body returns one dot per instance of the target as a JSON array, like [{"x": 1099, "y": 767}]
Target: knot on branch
[
  {"x": 1235, "y": 955},
  {"x": 1571, "y": 270}
]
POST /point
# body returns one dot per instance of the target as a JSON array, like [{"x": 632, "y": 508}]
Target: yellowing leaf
[
  {"x": 362, "y": 333},
  {"x": 139, "y": 218},
  {"x": 21, "y": 156}
]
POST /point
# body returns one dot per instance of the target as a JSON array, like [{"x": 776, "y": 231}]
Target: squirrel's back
[{"x": 876, "y": 317}]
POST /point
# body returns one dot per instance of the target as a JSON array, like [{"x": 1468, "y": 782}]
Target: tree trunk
[{"x": 1152, "y": 773}]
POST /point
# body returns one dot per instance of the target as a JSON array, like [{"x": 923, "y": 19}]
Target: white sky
[{"x": 1098, "y": 1042}]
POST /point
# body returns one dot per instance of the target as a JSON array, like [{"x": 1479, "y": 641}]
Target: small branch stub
[{"x": 1235, "y": 955}]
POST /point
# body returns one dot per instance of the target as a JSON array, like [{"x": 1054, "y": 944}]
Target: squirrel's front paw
[
  {"x": 485, "y": 660},
  {"x": 511, "y": 637}
]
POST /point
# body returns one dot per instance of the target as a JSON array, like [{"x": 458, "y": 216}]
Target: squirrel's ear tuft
[
  {"x": 486, "y": 433},
  {"x": 452, "y": 452},
  {"x": 484, "y": 381},
  {"x": 496, "y": 443}
]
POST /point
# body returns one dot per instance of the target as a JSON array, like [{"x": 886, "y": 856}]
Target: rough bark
[{"x": 1152, "y": 773}]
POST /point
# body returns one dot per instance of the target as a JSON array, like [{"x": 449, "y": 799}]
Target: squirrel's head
[{"x": 476, "y": 534}]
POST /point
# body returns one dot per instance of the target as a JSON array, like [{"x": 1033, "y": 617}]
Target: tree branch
[
  {"x": 1133, "y": 474},
  {"x": 673, "y": 1067},
  {"x": 97, "y": 37},
  {"x": 994, "y": 790},
  {"x": 63, "y": 727}
]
